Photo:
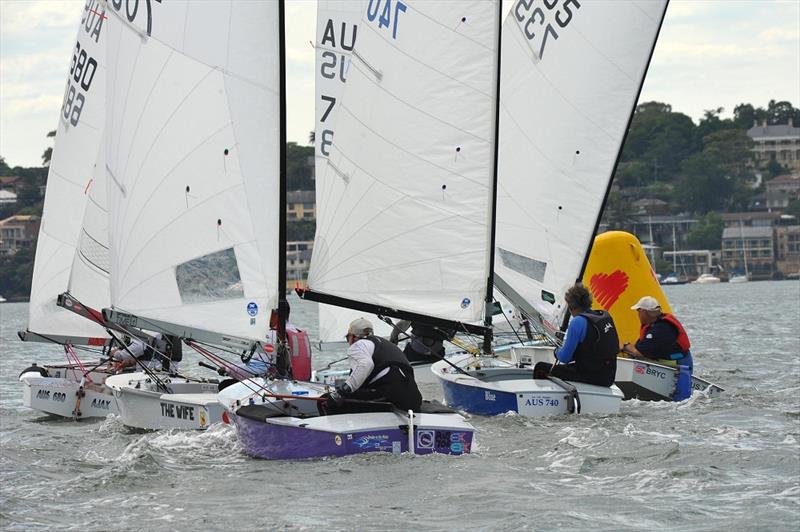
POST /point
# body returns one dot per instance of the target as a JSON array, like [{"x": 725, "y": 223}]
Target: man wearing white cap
[
  {"x": 379, "y": 371},
  {"x": 662, "y": 338}
]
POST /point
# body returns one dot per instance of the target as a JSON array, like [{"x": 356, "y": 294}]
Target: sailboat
[
  {"x": 558, "y": 153},
  {"x": 75, "y": 389},
  {"x": 672, "y": 278},
  {"x": 400, "y": 53},
  {"x": 192, "y": 169},
  {"x": 738, "y": 277}
]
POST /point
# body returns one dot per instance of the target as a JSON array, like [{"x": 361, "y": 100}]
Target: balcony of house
[
  {"x": 788, "y": 263},
  {"x": 749, "y": 249},
  {"x": 301, "y": 205},
  {"x": 18, "y": 232}
]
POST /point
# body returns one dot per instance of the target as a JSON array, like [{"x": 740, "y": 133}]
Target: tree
[
  {"x": 781, "y": 112},
  {"x": 793, "y": 209},
  {"x": 48, "y": 152},
  {"x": 707, "y": 234},
  {"x": 299, "y": 167}
]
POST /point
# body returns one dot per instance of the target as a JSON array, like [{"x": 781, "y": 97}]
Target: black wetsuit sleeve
[{"x": 659, "y": 342}]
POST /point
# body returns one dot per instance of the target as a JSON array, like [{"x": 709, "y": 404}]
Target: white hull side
[
  {"x": 59, "y": 397},
  {"x": 194, "y": 407}
]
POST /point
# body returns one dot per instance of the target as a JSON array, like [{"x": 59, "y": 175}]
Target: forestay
[
  {"x": 192, "y": 166},
  {"x": 337, "y": 30},
  {"x": 571, "y": 76},
  {"x": 404, "y": 208},
  {"x": 78, "y": 138}
]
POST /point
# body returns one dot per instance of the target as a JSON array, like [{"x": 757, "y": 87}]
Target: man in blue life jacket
[
  {"x": 379, "y": 372},
  {"x": 589, "y": 353},
  {"x": 662, "y": 339}
]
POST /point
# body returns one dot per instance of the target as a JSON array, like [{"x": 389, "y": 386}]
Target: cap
[
  {"x": 647, "y": 303},
  {"x": 360, "y": 327}
]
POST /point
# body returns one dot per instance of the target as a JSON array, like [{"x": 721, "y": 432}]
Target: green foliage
[
  {"x": 300, "y": 230},
  {"x": 774, "y": 169},
  {"x": 16, "y": 272},
  {"x": 299, "y": 167},
  {"x": 707, "y": 234},
  {"x": 794, "y": 208}
]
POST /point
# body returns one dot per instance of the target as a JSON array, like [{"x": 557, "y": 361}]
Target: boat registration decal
[
  {"x": 337, "y": 439},
  {"x": 541, "y": 401},
  {"x": 177, "y": 411},
  {"x": 45, "y": 395},
  {"x": 425, "y": 438},
  {"x": 489, "y": 396}
]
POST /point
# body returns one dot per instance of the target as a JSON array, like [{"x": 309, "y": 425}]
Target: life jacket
[
  {"x": 299, "y": 353},
  {"x": 682, "y": 344},
  {"x": 597, "y": 353},
  {"x": 387, "y": 355}
]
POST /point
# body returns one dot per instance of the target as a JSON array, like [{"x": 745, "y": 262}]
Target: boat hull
[
  {"x": 648, "y": 381},
  {"x": 59, "y": 397},
  {"x": 497, "y": 387},
  {"x": 55, "y": 390},
  {"x": 288, "y": 438},
  {"x": 193, "y": 407}
]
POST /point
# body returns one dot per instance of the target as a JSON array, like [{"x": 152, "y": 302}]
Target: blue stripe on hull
[{"x": 478, "y": 400}]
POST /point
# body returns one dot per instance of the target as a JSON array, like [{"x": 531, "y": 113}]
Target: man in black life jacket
[
  {"x": 589, "y": 352},
  {"x": 378, "y": 372}
]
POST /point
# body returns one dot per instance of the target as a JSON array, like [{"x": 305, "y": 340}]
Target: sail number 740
[
  {"x": 537, "y": 22},
  {"x": 386, "y": 18}
]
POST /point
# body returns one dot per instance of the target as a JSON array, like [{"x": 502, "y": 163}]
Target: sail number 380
[
  {"x": 387, "y": 18},
  {"x": 542, "y": 23}
]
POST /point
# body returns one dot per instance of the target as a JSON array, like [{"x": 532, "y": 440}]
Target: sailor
[
  {"x": 426, "y": 342},
  {"x": 379, "y": 372},
  {"x": 662, "y": 338},
  {"x": 589, "y": 352},
  {"x": 162, "y": 351}
]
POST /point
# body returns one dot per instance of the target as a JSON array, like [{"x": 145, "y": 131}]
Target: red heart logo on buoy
[{"x": 606, "y": 288}]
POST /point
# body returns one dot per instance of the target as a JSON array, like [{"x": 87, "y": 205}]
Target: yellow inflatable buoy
[{"x": 618, "y": 274}]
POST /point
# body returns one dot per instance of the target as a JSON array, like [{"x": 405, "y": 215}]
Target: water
[{"x": 732, "y": 462}]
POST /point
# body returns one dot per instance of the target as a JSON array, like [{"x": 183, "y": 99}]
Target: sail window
[
  {"x": 94, "y": 252},
  {"x": 212, "y": 277},
  {"x": 528, "y": 267}
]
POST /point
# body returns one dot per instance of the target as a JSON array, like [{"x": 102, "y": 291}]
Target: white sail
[
  {"x": 91, "y": 266},
  {"x": 404, "y": 208},
  {"x": 192, "y": 152},
  {"x": 570, "y": 79},
  {"x": 337, "y": 30},
  {"x": 78, "y": 138}
]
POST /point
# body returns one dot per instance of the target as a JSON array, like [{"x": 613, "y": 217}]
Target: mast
[
  {"x": 619, "y": 152},
  {"x": 283, "y": 305},
  {"x": 674, "y": 252},
  {"x": 487, "y": 318}
]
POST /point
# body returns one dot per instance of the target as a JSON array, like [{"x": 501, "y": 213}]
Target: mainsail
[
  {"x": 569, "y": 87},
  {"x": 337, "y": 31},
  {"x": 76, "y": 151},
  {"x": 192, "y": 163},
  {"x": 404, "y": 209}
]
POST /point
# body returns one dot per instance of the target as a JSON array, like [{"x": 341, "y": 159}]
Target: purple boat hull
[{"x": 274, "y": 441}]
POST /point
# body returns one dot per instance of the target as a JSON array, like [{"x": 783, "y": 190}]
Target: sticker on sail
[
  {"x": 465, "y": 302},
  {"x": 425, "y": 439},
  {"x": 252, "y": 308}
]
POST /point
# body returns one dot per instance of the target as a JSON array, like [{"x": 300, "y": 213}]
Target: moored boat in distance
[{"x": 706, "y": 278}]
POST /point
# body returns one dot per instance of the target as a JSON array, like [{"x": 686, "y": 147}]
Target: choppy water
[{"x": 732, "y": 462}]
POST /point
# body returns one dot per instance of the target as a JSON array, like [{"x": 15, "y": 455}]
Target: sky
[{"x": 710, "y": 54}]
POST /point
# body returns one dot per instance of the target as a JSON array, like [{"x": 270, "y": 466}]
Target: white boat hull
[
  {"x": 648, "y": 381},
  {"x": 59, "y": 392},
  {"x": 492, "y": 386},
  {"x": 190, "y": 405}
]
